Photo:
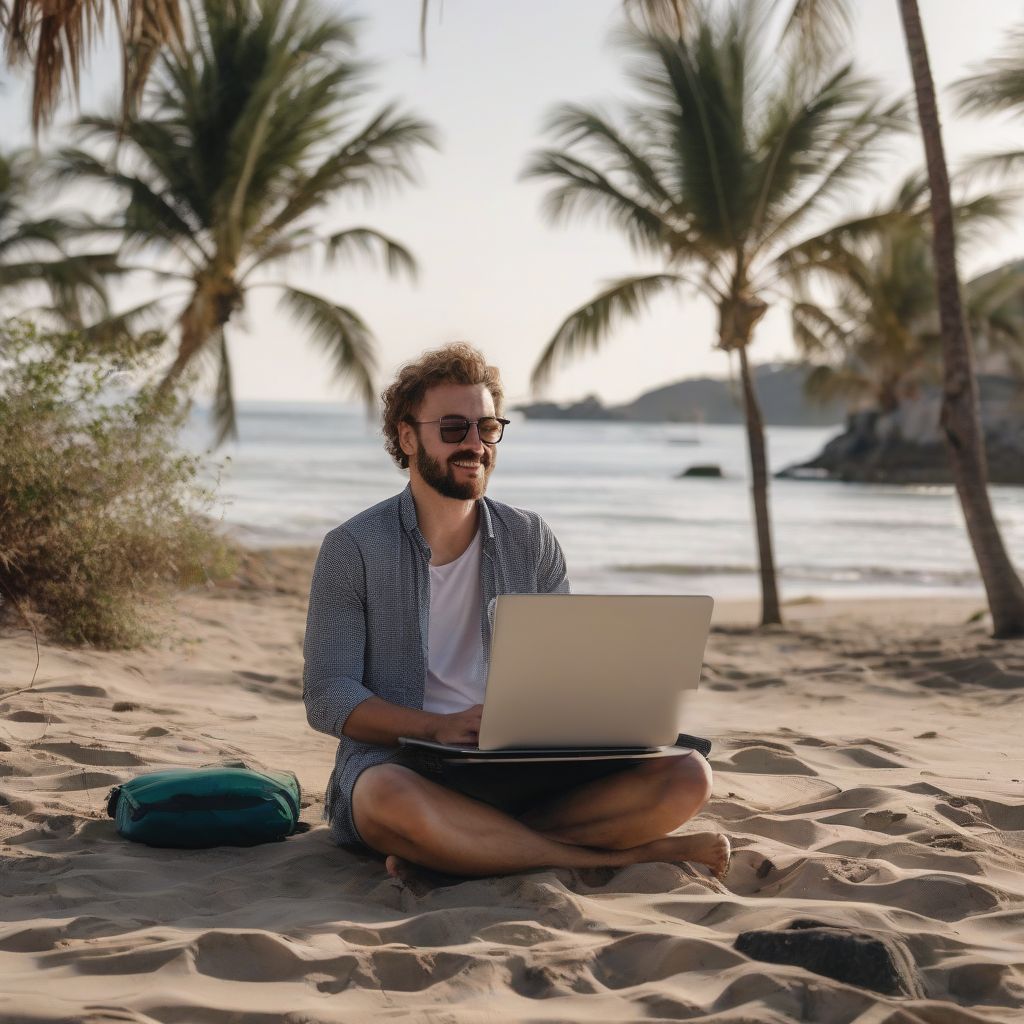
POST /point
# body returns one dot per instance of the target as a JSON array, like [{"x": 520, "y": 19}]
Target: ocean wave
[{"x": 821, "y": 573}]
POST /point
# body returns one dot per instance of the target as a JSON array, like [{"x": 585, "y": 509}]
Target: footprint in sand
[
  {"x": 878, "y": 821},
  {"x": 867, "y": 758},
  {"x": 91, "y": 755},
  {"x": 73, "y": 689},
  {"x": 33, "y": 716},
  {"x": 663, "y": 957},
  {"x": 80, "y": 781}
]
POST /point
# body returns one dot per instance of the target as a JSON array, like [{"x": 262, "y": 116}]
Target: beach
[{"x": 867, "y": 769}]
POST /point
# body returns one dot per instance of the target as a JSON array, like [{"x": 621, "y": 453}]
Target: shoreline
[
  {"x": 867, "y": 768},
  {"x": 282, "y": 566}
]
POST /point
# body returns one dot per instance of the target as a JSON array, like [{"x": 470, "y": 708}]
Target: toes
[{"x": 726, "y": 859}]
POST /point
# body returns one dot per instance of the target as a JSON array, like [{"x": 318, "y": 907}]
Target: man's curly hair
[{"x": 458, "y": 363}]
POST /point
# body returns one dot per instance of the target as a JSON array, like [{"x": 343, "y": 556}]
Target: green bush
[{"x": 99, "y": 511}]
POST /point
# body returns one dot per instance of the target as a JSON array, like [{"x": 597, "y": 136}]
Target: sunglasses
[{"x": 455, "y": 428}]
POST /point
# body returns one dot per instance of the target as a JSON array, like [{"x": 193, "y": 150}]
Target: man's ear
[{"x": 407, "y": 438}]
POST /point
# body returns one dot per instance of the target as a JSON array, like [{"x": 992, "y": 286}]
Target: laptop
[{"x": 586, "y": 676}]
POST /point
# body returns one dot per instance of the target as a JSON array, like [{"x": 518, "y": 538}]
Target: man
[{"x": 397, "y": 644}]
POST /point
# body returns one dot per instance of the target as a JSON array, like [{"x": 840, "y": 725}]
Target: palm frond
[
  {"x": 998, "y": 84},
  {"x": 146, "y": 26},
  {"x": 842, "y": 250},
  {"x": 138, "y": 325},
  {"x": 825, "y": 383},
  {"x": 72, "y": 280},
  {"x": 52, "y": 38},
  {"x": 49, "y": 233},
  {"x": 339, "y": 332},
  {"x": 397, "y": 259},
  {"x": 55, "y": 39},
  {"x": 853, "y": 150},
  {"x": 587, "y": 327},
  {"x": 668, "y": 16},
  {"x": 819, "y": 28},
  {"x": 703, "y": 86},
  {"x": 149, "y": 214},
  {"x": 976, "y": 218},
  {"x": 995, "y": 166},
  {"x": 379, "y": 154},
  {"x": 576, "y": 125},
  {"x": 582, "y": 188},
  {"x": 816, "y": 331}
]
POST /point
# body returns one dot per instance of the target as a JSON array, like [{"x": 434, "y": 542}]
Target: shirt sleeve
[
  {"x": 552, "y": 577},
  {"x": 335, "y": 641}
]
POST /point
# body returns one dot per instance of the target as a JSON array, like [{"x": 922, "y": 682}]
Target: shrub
[{"x": 100, "y": 513}]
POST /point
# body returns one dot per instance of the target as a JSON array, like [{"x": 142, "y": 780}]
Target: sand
[{"x": 867, "y": 767}]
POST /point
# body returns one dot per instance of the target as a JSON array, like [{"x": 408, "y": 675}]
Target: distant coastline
[
  {"x": 901, "y": 446},
  {"x": 780, "y": 389}
]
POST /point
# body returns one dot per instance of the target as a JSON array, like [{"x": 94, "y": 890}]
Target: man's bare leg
[
  {"x": 405, "y": 816},
  {"x": 629, "y": 808},
  {"x": 637, "y": 806}
]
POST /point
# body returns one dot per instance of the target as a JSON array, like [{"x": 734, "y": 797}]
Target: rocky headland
[{"x": 905, "y": 446}]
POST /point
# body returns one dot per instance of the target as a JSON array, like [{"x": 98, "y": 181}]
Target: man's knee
[
  {"x": 682, "y": 784},
  {"x": 387, "y": 800}
]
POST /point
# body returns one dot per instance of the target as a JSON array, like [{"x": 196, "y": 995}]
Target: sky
[{"x": 493, "y": 271}]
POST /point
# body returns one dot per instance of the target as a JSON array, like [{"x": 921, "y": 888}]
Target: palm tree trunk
[
  {"x": 960, "y": 419},
  {"x": 192, "y": 338},
  {"x": 208, "y": 311},
  {"x": 771, "y": 613}
]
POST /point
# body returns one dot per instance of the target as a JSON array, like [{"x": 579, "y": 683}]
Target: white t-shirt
[{"x": 455, "y": 654}]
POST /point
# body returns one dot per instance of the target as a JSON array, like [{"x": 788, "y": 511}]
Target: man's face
[{"x": 461, "y": 470}]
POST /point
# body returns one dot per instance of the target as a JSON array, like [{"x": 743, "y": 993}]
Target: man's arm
[
  {"x": 337, "y": 702},
  {"x": 379, "y": 721},
  {"x": 335, "y": 642}
]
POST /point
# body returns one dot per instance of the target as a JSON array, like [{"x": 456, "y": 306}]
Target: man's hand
[{"x": 461, "y": 728}]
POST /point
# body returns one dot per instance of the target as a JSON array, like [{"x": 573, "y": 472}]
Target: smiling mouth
[{"x": 468, "y": 465}]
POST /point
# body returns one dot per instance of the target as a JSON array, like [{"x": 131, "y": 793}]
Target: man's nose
[{"x": 473, "y": 440}]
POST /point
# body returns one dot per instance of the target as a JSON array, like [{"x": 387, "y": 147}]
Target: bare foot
[
  {"x": 708, "y": 848},
  {"x": 398, "y": 868}
]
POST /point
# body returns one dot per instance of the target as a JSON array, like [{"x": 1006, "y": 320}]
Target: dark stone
[
  {"x": 708, "y": 470},
  {"x": 876, "y": 962}
]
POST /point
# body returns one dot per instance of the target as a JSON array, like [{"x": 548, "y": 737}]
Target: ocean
[{"x": 611, "y": 494}]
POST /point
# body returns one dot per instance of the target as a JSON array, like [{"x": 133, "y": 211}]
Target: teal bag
[{"x": 217, "y": 805}]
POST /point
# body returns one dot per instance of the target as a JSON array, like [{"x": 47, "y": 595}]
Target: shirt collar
[{"x": 407, "y": 512}]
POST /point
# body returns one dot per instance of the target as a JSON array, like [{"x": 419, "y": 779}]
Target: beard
[{"x": 442, "y": 478}]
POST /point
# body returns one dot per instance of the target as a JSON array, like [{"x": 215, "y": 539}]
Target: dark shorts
[{"x": 515, "y": 788}]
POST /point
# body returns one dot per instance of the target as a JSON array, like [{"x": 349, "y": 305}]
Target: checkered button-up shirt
[{"x": 369, "y": 605}]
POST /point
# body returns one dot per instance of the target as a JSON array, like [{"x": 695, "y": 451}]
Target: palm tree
[
  {"x": 997, "y": 87},
  {"x": 243, "y": 139},
  {"x": 53, "y": 35},
  {"x": 739, "y": 143},
  {"x": 882, "y": 340},
  {"x": 960, "y": 418},
  {"x": 34, "y": 252}
]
